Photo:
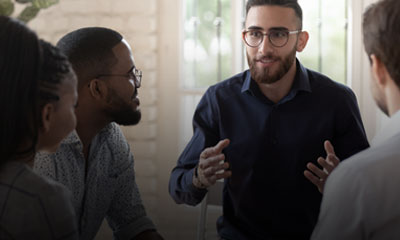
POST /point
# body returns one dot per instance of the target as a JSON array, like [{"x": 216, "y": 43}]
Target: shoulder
[
  {"x": 45, "y": 204},
  {"x": 33, "y": 186},
  {"x": 43, "y": 186},
  {"x": 112, "y": 134},
  {"x": 219, "y": 94},
  {"x": 321, "y": 83},
  {"x": 113, "y": 141},
  {"x": 228, "y": 86},
  {"x": 376, "y": 165}
]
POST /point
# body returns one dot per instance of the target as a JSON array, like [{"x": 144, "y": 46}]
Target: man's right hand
[
  {"x": 210, "y": 168},
  {"x": 319, "y": 176}
]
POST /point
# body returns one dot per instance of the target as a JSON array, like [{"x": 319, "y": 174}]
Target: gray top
[
  {"x": 107, "y": 188},
  {"x": 33, "y": 207},
  {"x": 361, "y": 197}
]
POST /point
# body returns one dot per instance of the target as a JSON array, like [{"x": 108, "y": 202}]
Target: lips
[
  {"x": 266, "y": 61},
  {"x": 136, "y": 100}
]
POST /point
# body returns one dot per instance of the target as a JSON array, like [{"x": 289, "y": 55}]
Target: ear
[
  {"x": 379, "y": 71},
  {"x": 302, "y": 41},
  {"x": 47, "y": 114},
  {"x": 97, "y": 89}
]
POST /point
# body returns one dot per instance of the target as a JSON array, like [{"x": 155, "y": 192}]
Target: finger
[
  {"x": 212, "y": 179},
  {"x": 312, "y": 178},
  {"x": 211, "y": 161},
  {"x": 217, "y": 149},
  {"x": 225, "y": 174},
  {"x": 333, "y": 160},
  {"x": 221, "y": 145},
  {"x": 326, "y": 165},
  {"x": 212, "y": 170},
  {"x": 329, "y": 148},
  {"x": 317, "y": 171},
  {"x": 207, "y": 153}
]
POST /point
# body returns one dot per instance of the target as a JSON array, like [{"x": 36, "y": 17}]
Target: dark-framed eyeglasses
[
  {"x": 135, "y": 75},
  {"x": 277, "y": 37}
]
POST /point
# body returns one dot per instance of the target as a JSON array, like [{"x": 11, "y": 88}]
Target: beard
[
  {"x": 265, "y": 75},
  {"x": 121, "y": 111}
]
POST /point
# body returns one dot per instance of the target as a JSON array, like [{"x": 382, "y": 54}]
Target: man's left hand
[{"x": 318, "y": 176}]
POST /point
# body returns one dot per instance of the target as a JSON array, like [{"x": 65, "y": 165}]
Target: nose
[{"x": 265, "y": 46}]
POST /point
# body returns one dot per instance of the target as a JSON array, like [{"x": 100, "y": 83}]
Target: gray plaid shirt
[
  {"x": 106, "y": 189},
  {"x": 33, "y": 207}
]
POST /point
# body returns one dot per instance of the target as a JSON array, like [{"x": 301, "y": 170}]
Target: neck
[
  {"x": 89, "y": 123},
  {"x": 279, "y": 89},
  {"x": 393, "y": 98}
]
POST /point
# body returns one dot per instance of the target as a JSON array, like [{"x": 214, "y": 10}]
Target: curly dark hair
[
  {"x": 55, "y": 69},
  {"x": 30, "y": 73}
]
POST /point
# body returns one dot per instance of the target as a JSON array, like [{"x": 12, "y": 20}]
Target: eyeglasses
[
  {"x": 278, "y": 38},
  {"x": 135, "y": 74}
]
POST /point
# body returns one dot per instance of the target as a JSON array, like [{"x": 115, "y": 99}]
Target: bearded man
[
  {"x": 266, "y": 124},
  {"x": 95, "y": 161}
]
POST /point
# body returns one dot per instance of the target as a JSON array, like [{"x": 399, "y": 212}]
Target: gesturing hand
[
  {"x": 318, "y": 176},
  {"x": 211, "y": 166}
]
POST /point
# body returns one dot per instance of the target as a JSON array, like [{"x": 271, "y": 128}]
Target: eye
[
  {"x": 278, "y": 34},
  {"x": 255, "y": 34}
]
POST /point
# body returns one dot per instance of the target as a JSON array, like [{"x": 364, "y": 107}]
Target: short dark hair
[
  {"x": 381, "y": 30},
  {"x": 293, "y": 4},
  {"x": 90, "y": 51},
  {"x": 25, "y": 74}
]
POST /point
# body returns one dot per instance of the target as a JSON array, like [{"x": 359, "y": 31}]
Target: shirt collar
[
  {"x": 301, "y": 81},
  {"x": 389, "y": 130},
  {"x": 74, "y": 138}
]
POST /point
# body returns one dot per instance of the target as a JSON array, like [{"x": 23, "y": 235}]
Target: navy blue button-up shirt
[{"x": 267, "y": 196}]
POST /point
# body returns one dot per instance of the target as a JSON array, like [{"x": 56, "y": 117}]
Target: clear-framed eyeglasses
[
  {"x": 277, "y": 37},
  {"x": 135, "y": 75}
]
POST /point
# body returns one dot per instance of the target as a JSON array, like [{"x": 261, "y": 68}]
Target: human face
[
  {"x": 122, "y": 101},
  {"x": 58, "y": 118},
  {"x": 269, "y": 64}
]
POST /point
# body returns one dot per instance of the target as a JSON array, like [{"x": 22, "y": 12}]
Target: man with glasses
[
  {"x": 95, "y": 161},
  {"x": 260, "y": 128}
]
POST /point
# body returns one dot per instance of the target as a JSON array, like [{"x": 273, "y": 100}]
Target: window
[
  {"x": 326, "y": 51},
  {"x": 208, "y": 46},
  {"x": 212, "y": 51}
]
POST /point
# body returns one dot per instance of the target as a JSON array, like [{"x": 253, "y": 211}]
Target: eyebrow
[{"x": 273, "y": 28}]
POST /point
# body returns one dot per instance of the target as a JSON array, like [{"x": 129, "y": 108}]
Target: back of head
[
  {"x": 20, "y": 64},
  {"x": 381, "y": 30},
  {"x": 293, "y": 4},
  {"x": 90, "y": 51}
]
